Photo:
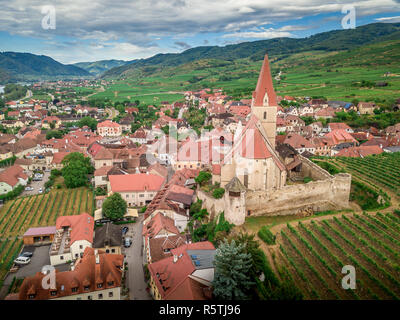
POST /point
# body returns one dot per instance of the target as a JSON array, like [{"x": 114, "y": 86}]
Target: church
[
  {"x": 252, "y": 158},
  {"x": 254, "y": 174}
]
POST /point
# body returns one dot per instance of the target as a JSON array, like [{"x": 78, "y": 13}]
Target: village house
[
  {"x": 339, "y": 126},
  {"x": 6, "y": 152},
  {"x": 73, "y": 235},
  {"x": 12, "y": 177},
  {"x": 186, "y": 275},
  {"x": 360, "y": 151},
  {"x": 160, "y": 248},
  {"x": 51, "y": 119},
  {"x": 139, "y": 136},
  {"x": 109, "y": 128},
  {"x": 136, "y": 189},
  {"x": 95, "y": 276},
  {"x": 299, "y": 143},
  {"x": 366, "y": 107},
  {"x": 108, "y": 238},
  {"x": 325, "y": 113}
]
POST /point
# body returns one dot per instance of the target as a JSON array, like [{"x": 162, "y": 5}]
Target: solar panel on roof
[
  {"x": 197, "y": 263},
  {"x": 194, "y": 257}
]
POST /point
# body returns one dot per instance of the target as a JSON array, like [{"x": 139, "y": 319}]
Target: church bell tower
[{"x": 264, "y": 104}]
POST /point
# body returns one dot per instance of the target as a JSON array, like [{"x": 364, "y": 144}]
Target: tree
[
  {"x": 88, "y": 121},
  {"x": 218, "y": 193},
  {"x": 75, "y": 170},
  {"x": 75, "y": 175},
  {"x": 53, "y": 134},
  {"x": 78, "y": 157},
  {"x": 232, "y": 280},
  {"x": 114, "y": 207},
  {"x": 203, "y": 177},
  {"x": 135, "y": 126},
  {"x": 52, "y": 125}
]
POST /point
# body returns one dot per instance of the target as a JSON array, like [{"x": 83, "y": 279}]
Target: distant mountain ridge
[
  {"x": 27, "y": 66},
  {"x": 335, "y": 40},
  {"x": 98, "y": 67}
]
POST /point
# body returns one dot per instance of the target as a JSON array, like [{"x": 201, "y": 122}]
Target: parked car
[
  {"x": 124, "y": 230},
  {"x": 22, "y": 260},
  {"x": 127, "y": 242},
  {"x": 27, "y": 254},
  {"x": 40, "y": 190},
  {"x": 28, "y": 189}
]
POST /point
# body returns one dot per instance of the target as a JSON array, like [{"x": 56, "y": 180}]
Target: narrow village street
[{"x": 134, "y": 257}]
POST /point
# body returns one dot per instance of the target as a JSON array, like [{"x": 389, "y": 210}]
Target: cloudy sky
[{"x": 90, "y": 30}]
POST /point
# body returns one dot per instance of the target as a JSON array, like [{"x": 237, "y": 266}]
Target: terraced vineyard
[
  {"x": 383, "y": 169},
  {"x": 18, "y": 215},
  {"x": 315, "y": 252}
]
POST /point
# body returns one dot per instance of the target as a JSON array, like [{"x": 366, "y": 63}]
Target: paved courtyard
[{"x": 39, "y": 259}]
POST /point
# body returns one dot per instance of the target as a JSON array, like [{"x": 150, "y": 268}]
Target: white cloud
[
  {"x": 262, "y": 33},
  {"x": 141, "y": 23},
  {"x": 389, "y": 19}
]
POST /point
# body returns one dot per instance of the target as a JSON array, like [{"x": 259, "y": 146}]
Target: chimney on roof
[{"x": 175, "y": 258}]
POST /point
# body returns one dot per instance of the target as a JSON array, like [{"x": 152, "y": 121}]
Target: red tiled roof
[
  {"x": 297, "y": 141},
  {"x": 49, "y": 119},
  {"x": 360, "y": 151},
  {"x": 59, "y": 156},
  {"x": 135, "y": 182},
  {"x": 102, "y": 171},
  {"x": 158, "y": 245},
  {"x": 174, "y": 275},
  {"x": 86, "y": 273},
  {"x": 40, "y": 231},
  {"x": 159, "y": 223},
  {"x": 81, "y": 226},
  {"x": 264, "y": 86},
  {"x": 338, "y": 125},
  {"x": 103, "y": 154},
  {"x": 340, "y": 136},
  {"x": 11, "y": 175},
  {"x": 108, "y": 124}
]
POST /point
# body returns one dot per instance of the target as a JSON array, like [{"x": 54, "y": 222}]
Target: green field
[
  {"x": 314, "y": 252},
  {"x": 314, "y": 249},
  {"x": 315, "y": 73}
]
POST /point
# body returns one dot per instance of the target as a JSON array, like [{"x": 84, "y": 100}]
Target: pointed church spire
[{"x": 264, "y": 87}]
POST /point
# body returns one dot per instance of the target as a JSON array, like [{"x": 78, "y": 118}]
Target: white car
[
  {"x": 28, "y": 189},
  {"x": 22, "y": 260},
  {"x": 40, "y": 190}
]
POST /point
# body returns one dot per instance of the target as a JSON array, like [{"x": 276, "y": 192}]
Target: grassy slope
[{"x": 327, "y": 73}]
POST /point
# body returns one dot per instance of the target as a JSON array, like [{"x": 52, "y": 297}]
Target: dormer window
[
  {"x": 110, "y": 283},
  {"x": 31, "y": 296},
  {"x": 86, "y": 288},
  {"x": 53, "y": 293},
  {"x": 75, "y": 289},
  {"x": 99, "y": 285}
]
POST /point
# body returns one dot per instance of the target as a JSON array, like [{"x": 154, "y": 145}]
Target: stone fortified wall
[{"x": 326, "y": 192}]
